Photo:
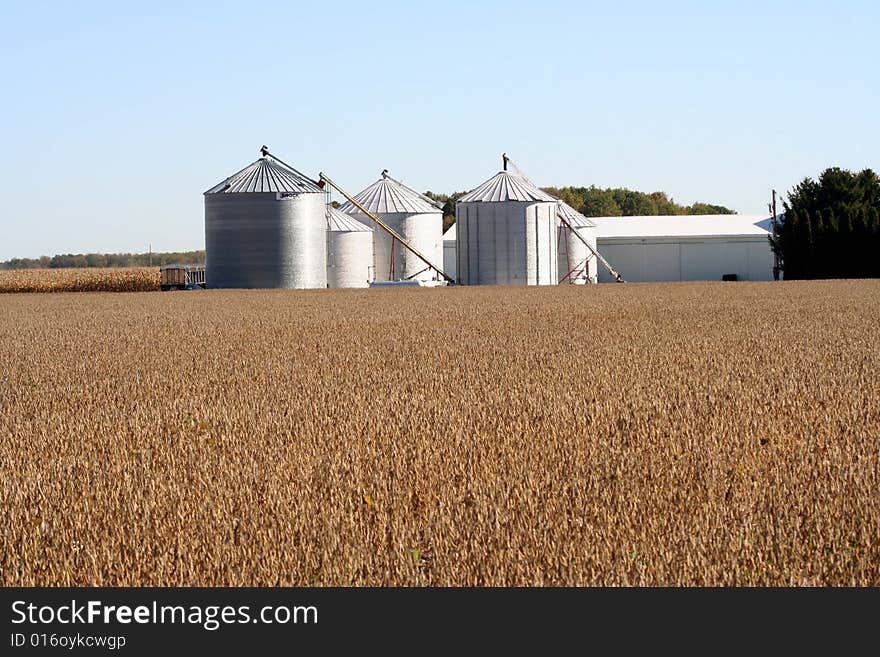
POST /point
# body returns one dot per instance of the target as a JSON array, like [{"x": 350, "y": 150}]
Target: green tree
[
  {"x": 838, "y": 236},
  {"x": 708, "y": 208},
  {"x": 665, "y": 205},
  {"x": 633, "y": 204},
  {"x": 614, "y": 202},
  {"x": 80, "y": 260},
  {"x": 597, "y": 202},
  {"x": 844, "y": 247},
  {"x": 872, "y": 259}
]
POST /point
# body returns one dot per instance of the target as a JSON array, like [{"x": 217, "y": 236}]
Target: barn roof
[{"x": 711, "y": 225}]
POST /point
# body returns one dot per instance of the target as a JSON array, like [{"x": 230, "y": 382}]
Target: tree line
[
  {"x": 597, "y": 202},
  {"x": 83, "y": 260},
  {"x": 621, "y": 202},
  {"x": 831, "y": 227}
]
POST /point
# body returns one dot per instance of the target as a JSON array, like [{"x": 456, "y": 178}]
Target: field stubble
[{"x": 689, "y": 434}]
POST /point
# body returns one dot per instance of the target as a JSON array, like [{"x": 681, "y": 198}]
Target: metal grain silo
[
  {"x": 266, "y": 227},
  {"x": 410, "y": 215},
  {"x": 506, "y": 233},
  {"x": 577, "y": 264},
  {"x": 349, "y": 251}
]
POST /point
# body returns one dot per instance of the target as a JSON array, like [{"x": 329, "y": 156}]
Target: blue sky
[{"x": 116, "y": 117}]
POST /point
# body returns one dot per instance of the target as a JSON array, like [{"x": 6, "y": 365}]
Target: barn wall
[
  {"x": 687, "y": 259},
  {"x": 449, "y": 259}
]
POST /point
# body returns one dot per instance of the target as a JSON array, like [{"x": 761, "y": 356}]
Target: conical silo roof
[
  {"x": 267, "y": 175},
  {"x": 506, "y": 186},
  {"x": 574, "y": 218},
  {"x": 387, "y": 196},
  {"x": 339, "y": 222}
]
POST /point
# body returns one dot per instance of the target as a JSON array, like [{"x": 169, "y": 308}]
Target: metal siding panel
[
  {"x": 736, "y": 260},
  {"x": 702, "y": 261},
  {"x": 304, "y": 241},
  {"x": 477, "y": 219},
  {"x": 425, "y": 233},
  {"x": 531, "y": 249},
  {"x": 349, "y": 259},
  {"x": 486, "y": 232},
  {"x": 497, "y": 243},
  {"x": 760, "y": 261},
  {"x": 257, "y": 241},
  {"x": 662, "y": 262},
  {"x": 450, "y": 266},
  {"x": 627, "y": 258},
  {"x": 550, "y": 233},
  {"x": 505, "y": 239},
  {"x": 518, "y": 224},
  {"x": 461, "y": 246}
]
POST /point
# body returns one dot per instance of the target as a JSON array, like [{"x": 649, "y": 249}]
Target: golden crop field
[
  {"x": 681, "y": 434},
  {"x": 104, "y": 279}
]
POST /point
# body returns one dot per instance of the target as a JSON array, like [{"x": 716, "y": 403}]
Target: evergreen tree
[
  {"x": 844, "y": 248},
  {"x": 858, "y": 235},
  {"x": 833, "y": 229},
  {"x": 791, "y": 244},
  {"x": 807, "y": 246},
  {"x": 872, "y": 260}
]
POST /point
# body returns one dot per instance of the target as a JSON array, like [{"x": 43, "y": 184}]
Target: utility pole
[
  {"x": 775, "y": 236},
  {"x": 150, "y": 249}
]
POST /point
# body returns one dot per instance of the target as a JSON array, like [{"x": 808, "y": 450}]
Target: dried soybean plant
[{"x": 682, "y": 434}]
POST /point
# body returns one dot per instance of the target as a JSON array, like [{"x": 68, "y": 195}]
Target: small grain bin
[
  {"x": 266, "y": 227},
  {"x": 349, "y": 251},
  {"x": 577, "y": 264},
  {"x": 410, "y": 215},
  {"x": 506, "y": 233}
]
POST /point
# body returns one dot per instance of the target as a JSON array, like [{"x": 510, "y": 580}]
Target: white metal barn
[
  {"x": 577, "y": 264},
  {"x": 687, "y": 247},
  {"x": 506, "y": 234},
  {"x": 410, "y": 215},
  {"x": 449, "y": 258},
  {"x": 349, "y": 251}
]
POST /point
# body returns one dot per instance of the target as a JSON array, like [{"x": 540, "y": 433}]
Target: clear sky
[{"x": 116, "y": 116}]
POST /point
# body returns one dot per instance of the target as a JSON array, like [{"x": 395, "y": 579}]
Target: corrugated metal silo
[
  {"x": 412, "y": 217},
  {"x": 506, "y": 233},
  {"x": 577, "y": 264},
  {"x": 349, "y": 251},
  {"x": 266, "y": 227}
]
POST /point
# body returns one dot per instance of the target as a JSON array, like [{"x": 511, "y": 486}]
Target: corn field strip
[{"x": 103, "y": 279}]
